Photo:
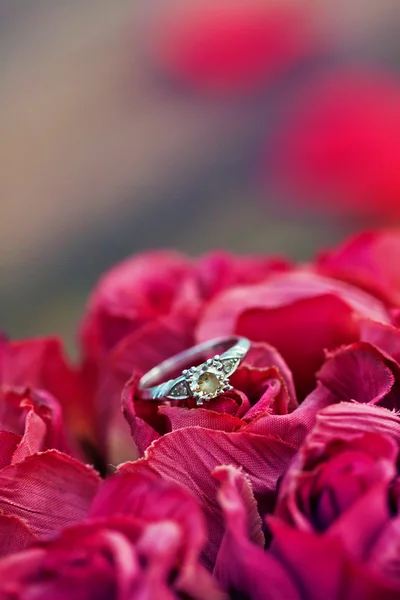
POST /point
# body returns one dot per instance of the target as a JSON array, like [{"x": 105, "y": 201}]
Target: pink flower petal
[
  {"x": 49, "y": 491},
  {"x": 187, "y": 456},
  {"x": 383, "y": 556},
  {"x": 221, "y": 314},
  {"x": 15, "y": 535},
  {"x": 36, "y": 417},
  {"x": 198, "y": 417},
  {"x": 361, "y": 524},
  {"x": 273, "y": 400},
  {"x": 366, "y": 260},
  {"x": 262, "y": 356},
  {"x": 242, "y": 566},
  {"x": 134, "y": 292},
  {"x": 40, "y": 364},
  {"x": 33, "y": 440},
  {"x": 357, "y": 373},
  {"x": 300, "y": 313},
  {"x": 143, "y": 434},
  {"x": 238, "y": 503},
  {"x": 148, "y": 346},
  {"x": 384, "y": 337},
  {"x": 297, "y": 551},
  {"x": 351, "y": 419},
  {"x": 8, "y": 445},
  {"x": 145, "y": 496},
  {"x": 218, "y": 271},
  {"x": 89, "y": 561}
]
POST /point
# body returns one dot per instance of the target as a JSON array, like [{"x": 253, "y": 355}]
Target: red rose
[
  {"x": 263, "y": 386},
  {"x": 152, "y": 296},
  {"x": 30, "y": 422},
  {"x": 329, "y": 486},
  {"x": 39, "y": 365},
  {"x": 335, "y": 531},
  {"x": 42, "y": 489},
  {"x": 343, "y": 485},
  {"x": 42, "y": 494},
  {"x": 145, "y": 310},
  {"x": 142, "y": 539}
]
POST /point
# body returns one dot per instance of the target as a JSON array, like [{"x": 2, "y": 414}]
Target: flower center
[{"x": 208, "y": 383}]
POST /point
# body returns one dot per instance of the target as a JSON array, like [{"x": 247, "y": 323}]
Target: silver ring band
[{"x": 202, "y": 382}]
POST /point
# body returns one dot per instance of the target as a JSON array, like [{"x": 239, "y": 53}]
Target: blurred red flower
[
  {"x": 340, "y": 146},
  {"x": 231, "y": 48}
]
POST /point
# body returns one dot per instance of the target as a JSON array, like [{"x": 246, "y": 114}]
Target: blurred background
[{"x": 255, "y": 125}]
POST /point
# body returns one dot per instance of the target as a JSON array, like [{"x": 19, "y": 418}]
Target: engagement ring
[{"x": 201, "y": 382}]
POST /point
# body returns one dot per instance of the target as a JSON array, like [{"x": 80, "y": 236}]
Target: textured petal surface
[
  {"x": 15, "y": 535},
  {"x": 40, "y": 364},
  {"x": 49, "y": 491},
  {"x": 367, "y": 260},
  {"x": 145, "y": 496},
  {"x": 242, "y": 567},
  {"x": 134, "y": 292},
  {"x": 357, "y": 373},
  {"x": 300, "y": 313},
  {"x": 188, "y": 456}
]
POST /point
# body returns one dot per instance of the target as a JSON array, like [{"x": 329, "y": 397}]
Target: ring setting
[
  {"x": 200, "y": 383},
  {"x": 209, "y": 379}
]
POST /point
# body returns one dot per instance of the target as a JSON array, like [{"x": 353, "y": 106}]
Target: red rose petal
[
  {"x": 357, "y": 373},
  {"x": 187, "y": 456},
  {"x": 242, "y": 567},
  {"x": 368, "y": 261},
  {"x": 300, "y": 314},
  {"x": 15, "y": 535},
  {"x": 49, "y": 491},
  {"x": 384, "y": 337},
  {"x": 8, "y": 445},
  {"x": 198, "y": 417}
]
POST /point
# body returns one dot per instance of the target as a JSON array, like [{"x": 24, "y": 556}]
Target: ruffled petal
[
  {"x": 301, "y": 314},
  {"x": 15, "y": 535},
  {"x": 366, "y": 260},
  {"x": 357, "y": 373},
  {"x": 40, "y": 364},
  {"x": 180, "y": 418},
  {"x": 188, "y": 456},
  {"x": 143, "y": 495},
  {"x": 49, "y": 491},
  {"x": 242, "y": 566}
]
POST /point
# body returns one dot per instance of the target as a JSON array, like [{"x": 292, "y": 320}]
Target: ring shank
[{"x": 158, "y": 379}]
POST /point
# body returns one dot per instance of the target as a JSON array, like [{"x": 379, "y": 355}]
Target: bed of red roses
[{"x": 286, "y": 487}]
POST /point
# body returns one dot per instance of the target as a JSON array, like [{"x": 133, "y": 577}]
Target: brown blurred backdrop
[{"x": 102, "y": 155}]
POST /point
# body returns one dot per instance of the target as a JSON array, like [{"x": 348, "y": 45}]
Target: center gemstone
[{"x": 208, "y": 383}]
